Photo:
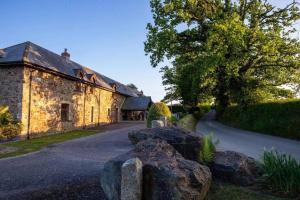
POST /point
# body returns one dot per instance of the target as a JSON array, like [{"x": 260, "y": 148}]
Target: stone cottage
[{"x": 48, "y": 92}]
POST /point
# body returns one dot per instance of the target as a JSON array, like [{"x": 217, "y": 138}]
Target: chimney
[
  {"x": 2, "y": 53},
  {"x": 141, "y": 93},
  {"x": 66, "y": 55}
]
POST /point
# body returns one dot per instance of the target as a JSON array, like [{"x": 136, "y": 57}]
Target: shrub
[
  {"x": 208, "y": 150},
  {"x": 281, "y": 172},
  {"x": 156, "y": 111},
  {"x": 173, "y": 119},
  {"x": 188, "y": 122},
  {"x": 9, "y": 127},
  {"x": 281, "y": 118}
]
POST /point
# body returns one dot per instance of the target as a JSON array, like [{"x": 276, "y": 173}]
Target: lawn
[
  {"x": 26, "y": 146},
  {"x": 231, "y": 192},
  {"x": 188, "y": 122}
]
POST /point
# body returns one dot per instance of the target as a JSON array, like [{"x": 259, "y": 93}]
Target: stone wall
[
  {"x": 11, "y": 89},
  {"x": 89, "y": 107}
]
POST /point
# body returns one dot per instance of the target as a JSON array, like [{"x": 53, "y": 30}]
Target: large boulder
[
  {"x": 235, "y": 167},
  {"x": 166, "y": 174},
  {"x": 186, "y": 143}
]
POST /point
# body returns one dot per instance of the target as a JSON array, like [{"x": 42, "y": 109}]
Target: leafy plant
[
  {"x": 208, "y": 149},
  {"x": 9, "y": 127},
  {"x": 281, "y": 172},
  {"x": 188, "y": 122},
  {"x": 156, "y": 111}
]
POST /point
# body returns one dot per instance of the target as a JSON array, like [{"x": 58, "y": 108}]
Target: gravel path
[
  {"x": 68, "y": 170},
  {"x": 247, "y": 142}
]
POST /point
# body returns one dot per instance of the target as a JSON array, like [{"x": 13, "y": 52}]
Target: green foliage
[
  {"x": 234, "y": 51},
  {"x": 208, "y": 149},
  {"x": 188, "y": 122},
  {"x": 9, "y": 127},
  {"x": 203, "y": 109},
  {"x": 281, "y": 172},
  {"x": 280, "y": 118},
  {"x": 177, "y": 108},
  {"x": 173, "y": 119},
  {"x": 156, "y": 111}
]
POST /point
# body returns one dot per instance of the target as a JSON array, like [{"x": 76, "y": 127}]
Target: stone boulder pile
[
  {"x": 188, "y": 144},
  {"x": 166, "y": 158},
  {"x": 166, "y": 173},
  {"x": 236, "y": 168}
]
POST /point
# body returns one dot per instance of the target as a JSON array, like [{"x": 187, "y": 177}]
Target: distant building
[{"x": 51, "y": 93}]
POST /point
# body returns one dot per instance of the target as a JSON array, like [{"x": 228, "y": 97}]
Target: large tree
[{"x": 235, "y": 51}]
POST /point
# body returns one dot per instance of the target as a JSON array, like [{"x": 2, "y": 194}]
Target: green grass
[
  {"x": 36, "y": 144},
  {"x": 188, "y": 122},
  {"x": 281, "y": 118},
  {"x": 281, "y": 172},
  {"x": 231, "y": 192}
]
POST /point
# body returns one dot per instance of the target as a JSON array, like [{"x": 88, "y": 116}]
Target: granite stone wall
[
  {"x": 89, "y": 107},
  {"x": 11, "y": 89}
]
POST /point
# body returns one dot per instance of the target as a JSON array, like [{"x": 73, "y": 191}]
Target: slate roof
[
  {"x": 29, "y": 52},
  {"x": 137, "y": 103}
]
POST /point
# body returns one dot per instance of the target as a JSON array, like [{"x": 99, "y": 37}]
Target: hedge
[{"x": 281, "y": 118}]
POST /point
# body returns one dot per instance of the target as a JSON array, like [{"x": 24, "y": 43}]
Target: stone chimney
[
  {"x": 141, "y": 93},
  {"x": 66, "y": 55},
  {"x": 2, "y": 53}
]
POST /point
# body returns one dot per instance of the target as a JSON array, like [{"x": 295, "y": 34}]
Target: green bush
[
  {"x": 188, "y": 122},
  {"x": 9, "y": 127},
  {"x": 281, "y": 172},
  {"x": 156, "y": 111},
  {"x": 280, "y": 118},
  {"x": 208, "y": 150}
]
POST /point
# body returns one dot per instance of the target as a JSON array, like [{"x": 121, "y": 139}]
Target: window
[
  {"x": 65, "y": 112},
  {"x": 81, "y": 75},
  {"x": 92, "y": 90},
  {"x": 108, "y": 112},
  {"x": 94, "y": 80},
  {"x": 92, "y": 114},
  {"x": 78, "y": 87}
]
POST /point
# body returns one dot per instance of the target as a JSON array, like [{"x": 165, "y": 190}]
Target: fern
[{"x": 208, "y": 149}]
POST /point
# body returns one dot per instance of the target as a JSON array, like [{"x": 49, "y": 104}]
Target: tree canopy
[{"x": 233, "y": 51}]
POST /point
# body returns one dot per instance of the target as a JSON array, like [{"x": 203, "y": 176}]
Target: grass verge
[
  {"x": 231, "y": 192},
  {"x": 188, "y": 122},
  {"x": 26, "y": 146}
]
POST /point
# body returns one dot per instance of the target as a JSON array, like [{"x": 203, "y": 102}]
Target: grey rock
[
  {"x": 188, "y": 144},
  {"x": 235, "y": 167},
  {"x": 131, "y": 183},
  {"x": 157, "y": 123},
  {"x": 166, "y": 174}
]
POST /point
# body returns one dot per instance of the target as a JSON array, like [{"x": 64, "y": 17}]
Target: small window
[
  {"x": 81, "y": 75},
  {"x": 92, "y": 90},
  {"x": 108, "y": 112},
  {"x": 92, "y": 114},
  {"x": 65, "y": 112},
  {"x": 78, "y": 87}
]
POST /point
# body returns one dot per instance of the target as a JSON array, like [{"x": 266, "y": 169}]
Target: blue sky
[{"x": 106, "y": 35}]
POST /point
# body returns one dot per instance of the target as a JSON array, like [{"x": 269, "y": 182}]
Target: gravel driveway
[
  {"x": 247, "y": 142},
  {"x": 68, "y": 170}
]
